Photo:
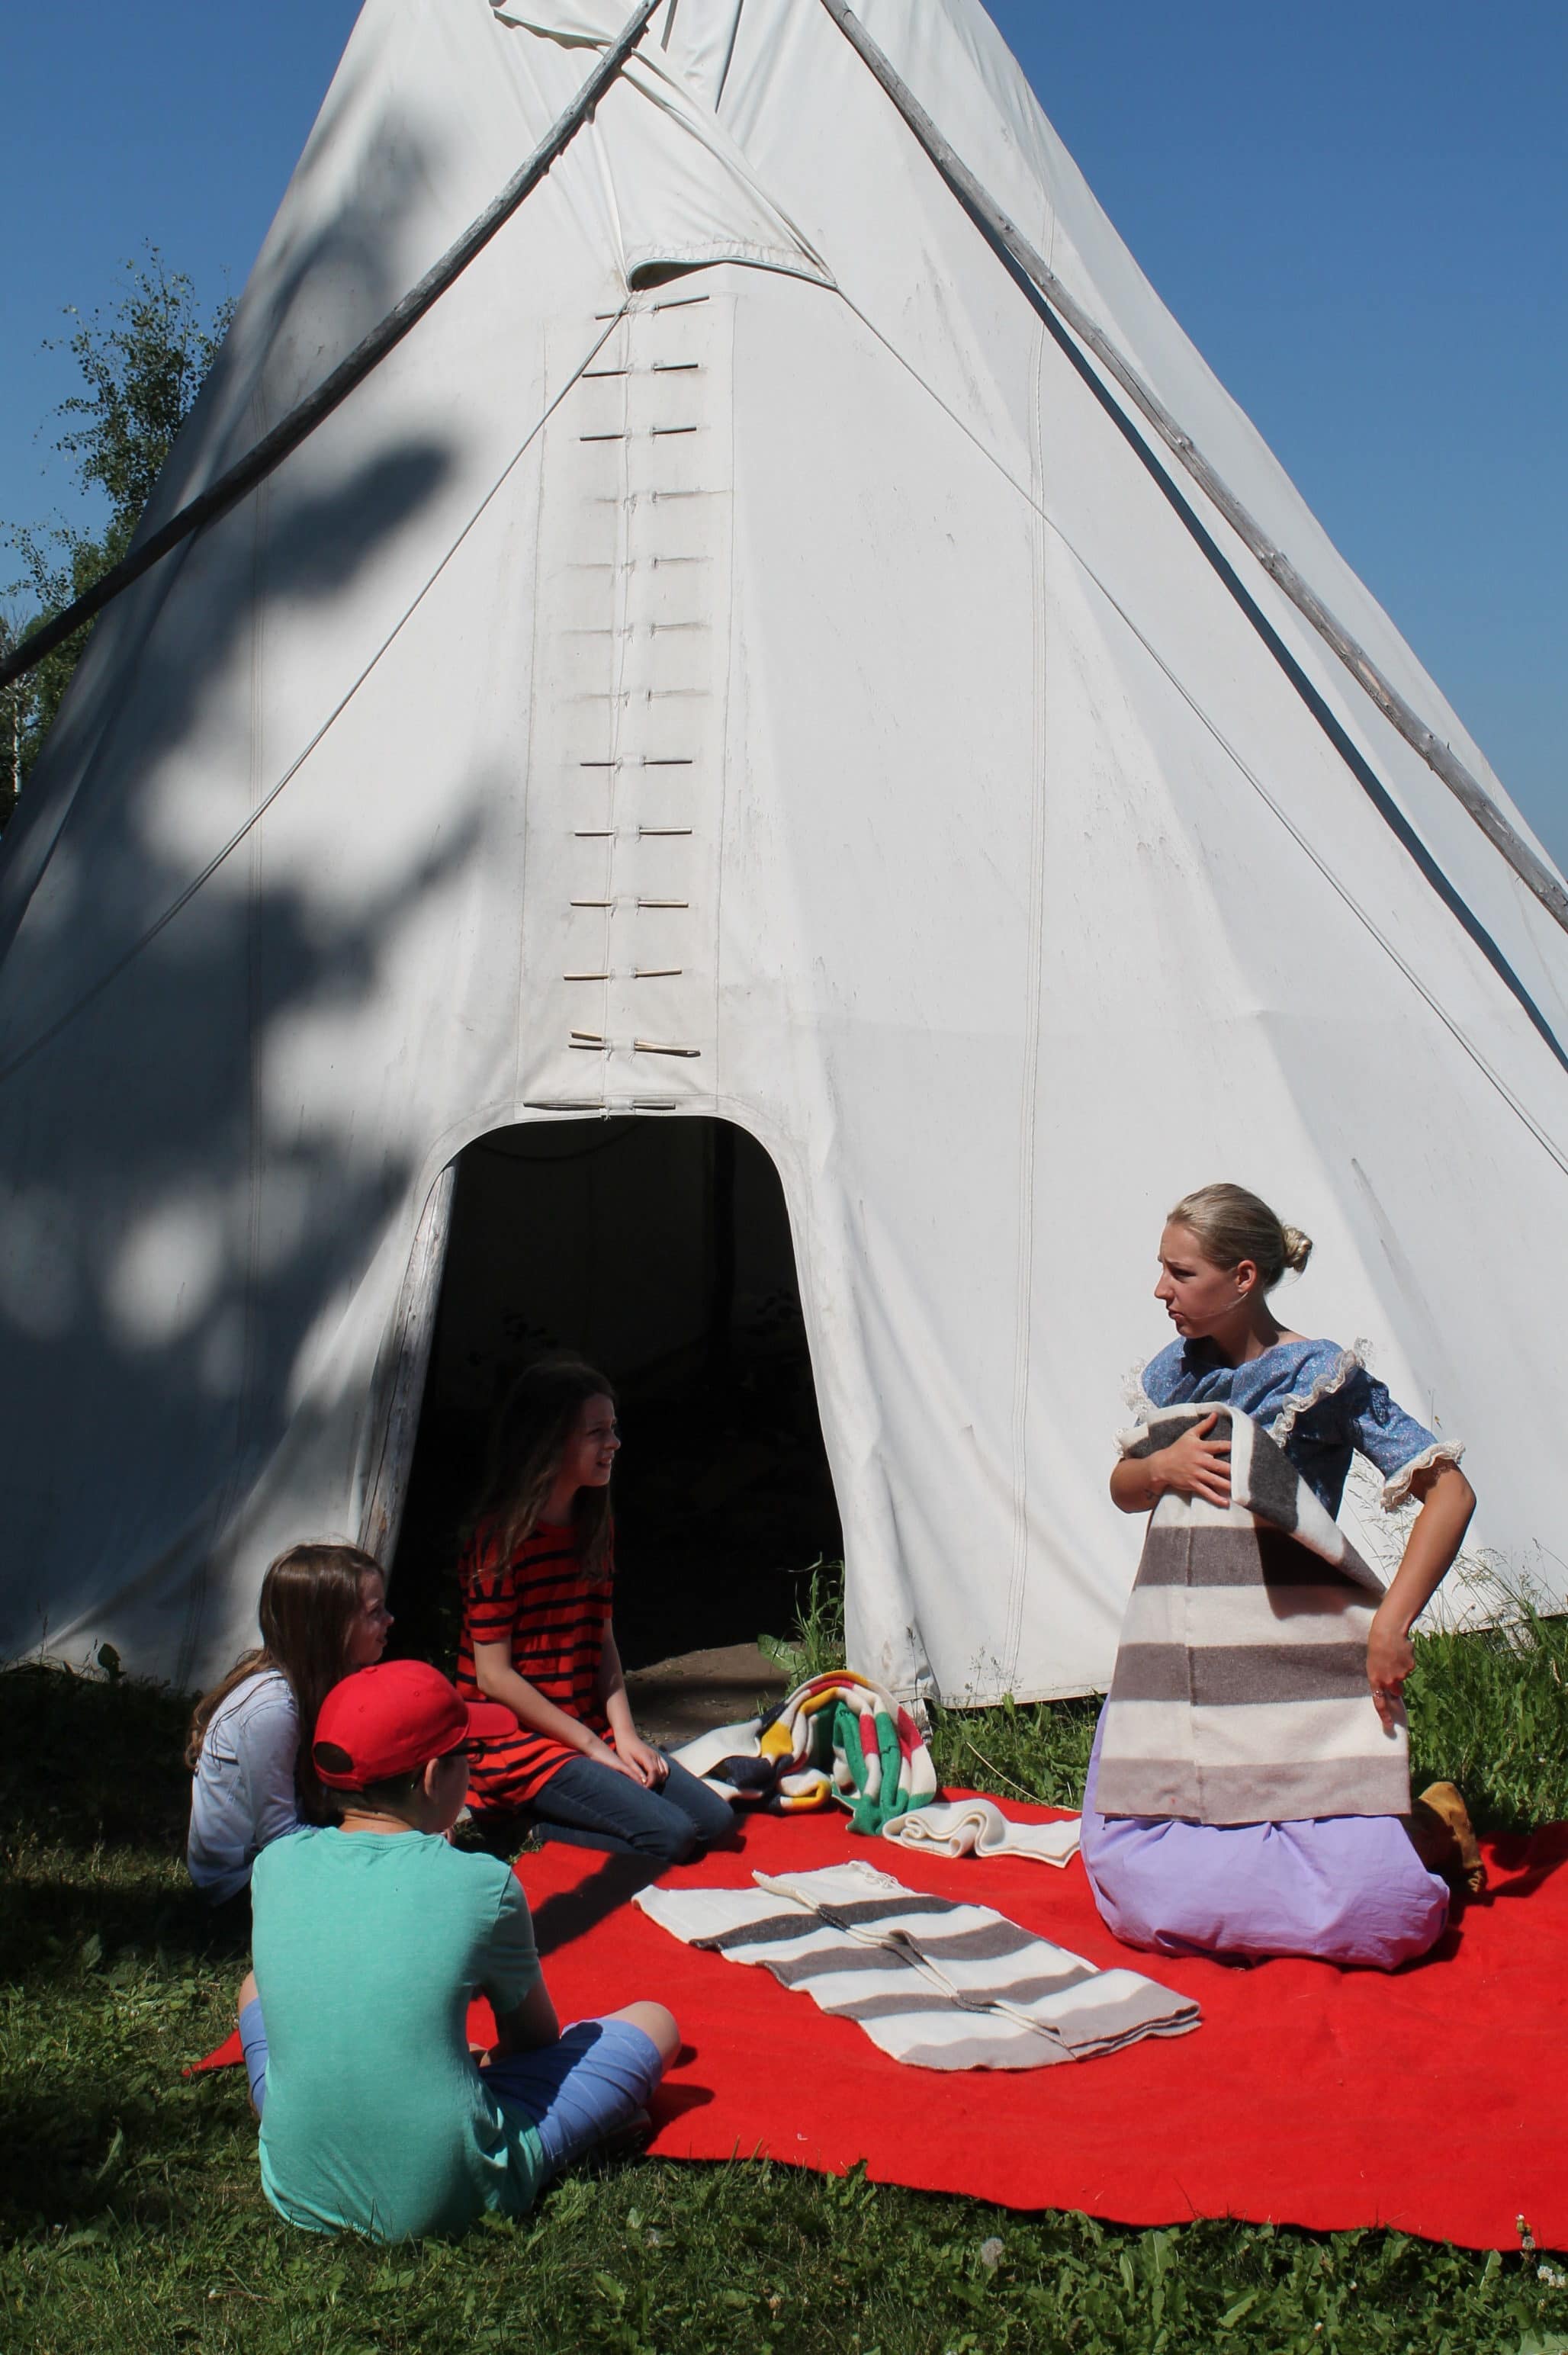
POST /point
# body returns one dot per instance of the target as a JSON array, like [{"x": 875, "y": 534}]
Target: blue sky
[{"x": 1358, "y": 212}]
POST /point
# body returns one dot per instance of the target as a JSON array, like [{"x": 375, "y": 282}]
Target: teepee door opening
[{"x": 660, "y": 1251}]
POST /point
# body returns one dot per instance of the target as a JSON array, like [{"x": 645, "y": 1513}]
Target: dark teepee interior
[{"x": 660, "y": 1251}]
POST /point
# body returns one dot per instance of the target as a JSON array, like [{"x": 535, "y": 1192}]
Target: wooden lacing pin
[
  {"x": 642, "y": 904},
  {"x": 655, "y": 1047},
  {"x": 663, "y": 833},
  {"x": 653, "y": 973}
]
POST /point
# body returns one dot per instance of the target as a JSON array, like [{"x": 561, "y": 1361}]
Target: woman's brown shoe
[{"x": 1446, "y": 1803}]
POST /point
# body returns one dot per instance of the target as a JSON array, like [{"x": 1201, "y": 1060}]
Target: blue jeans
[{"x": 589, "y": 1805}]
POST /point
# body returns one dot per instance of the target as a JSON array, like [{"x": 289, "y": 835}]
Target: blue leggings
[
  {"x": 578, "y": 2091},
  {"x": 253, "y": 2044}
]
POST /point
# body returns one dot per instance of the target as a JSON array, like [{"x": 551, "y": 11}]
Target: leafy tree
[
  {"x": 142, "y": 366},
  {"x": 15, "y": 706}
]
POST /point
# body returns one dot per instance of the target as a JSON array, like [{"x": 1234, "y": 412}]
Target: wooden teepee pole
[{"x": 287, "y": 435}]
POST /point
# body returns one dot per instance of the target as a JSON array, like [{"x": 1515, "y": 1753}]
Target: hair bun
[{"x": 1297, "y": 1248}]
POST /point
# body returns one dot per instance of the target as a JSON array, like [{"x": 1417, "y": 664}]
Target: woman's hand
[
  {"x": 1196, "y": 1466},
  {"x": 1389, "y": 1660},
  {"x": 1447, "y": 1501},
  {"x": 645, "y": 1763}
]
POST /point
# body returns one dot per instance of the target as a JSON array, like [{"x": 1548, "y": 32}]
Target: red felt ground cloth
[{"x": 1434, "y": 2100}]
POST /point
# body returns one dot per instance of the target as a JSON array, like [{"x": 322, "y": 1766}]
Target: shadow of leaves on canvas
[{"x": 177, "y": 1231}]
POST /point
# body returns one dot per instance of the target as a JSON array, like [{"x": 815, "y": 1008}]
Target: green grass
[
  {"x": 1490, "y": 1709},
  {"x": 131, "y": 2217}
]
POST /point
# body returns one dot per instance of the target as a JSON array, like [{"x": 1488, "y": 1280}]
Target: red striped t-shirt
[{"x": 539, "y": 1601}]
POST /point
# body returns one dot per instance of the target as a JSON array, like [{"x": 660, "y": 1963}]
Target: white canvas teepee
[{"x": 740, "y": 654}]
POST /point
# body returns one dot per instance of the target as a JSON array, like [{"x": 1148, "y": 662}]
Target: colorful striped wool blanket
[
  {"x": 1240, "y": 1694},
  {"x": 836, "y": 1737},
  {"x": 933, "y": 1983}
]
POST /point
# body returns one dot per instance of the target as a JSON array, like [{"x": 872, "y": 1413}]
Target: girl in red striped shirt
[{"x": 537, "y": 1573}]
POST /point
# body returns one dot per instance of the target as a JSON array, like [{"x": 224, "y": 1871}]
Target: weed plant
[
  {"x": 817, "y": 1644},
  {"x": 132, "y": 2220}
]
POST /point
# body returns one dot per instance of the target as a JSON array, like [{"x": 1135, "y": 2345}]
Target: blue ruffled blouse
[{"x": 1316, "y": 1400}]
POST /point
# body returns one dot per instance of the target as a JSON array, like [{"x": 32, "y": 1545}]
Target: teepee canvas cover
[{"x": 738, "y": 655}]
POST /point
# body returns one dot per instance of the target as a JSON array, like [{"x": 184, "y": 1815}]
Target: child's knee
[
  {"x": 669, "y": 1841},
  {"x": 658, "y": 2024}
]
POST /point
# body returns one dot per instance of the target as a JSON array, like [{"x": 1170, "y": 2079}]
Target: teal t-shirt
[{"x": 366, "y": 1948}]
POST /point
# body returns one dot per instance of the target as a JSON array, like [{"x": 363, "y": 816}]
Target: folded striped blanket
[
  {"x": 1240, "y": 1694},
  {"x": 933, "y": 1983},
  {"x": 836, "y": 1737}
]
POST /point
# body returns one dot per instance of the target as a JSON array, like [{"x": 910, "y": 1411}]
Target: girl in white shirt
[{"x": 323, "y": 1614}]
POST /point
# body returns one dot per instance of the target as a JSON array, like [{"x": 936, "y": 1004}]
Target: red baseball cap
[{"x": 388, "y": 1719}]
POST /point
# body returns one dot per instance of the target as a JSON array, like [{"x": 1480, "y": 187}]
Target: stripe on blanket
[
  {"x": 1240, "y": 1692},
  {"x": 933, "y": 1982},
  {"x": 1234, "y": 1615},
  {"x": 1210, "y": 1675}
]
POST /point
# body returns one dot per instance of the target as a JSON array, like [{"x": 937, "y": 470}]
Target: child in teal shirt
[{"x": 369, "y": 1939}]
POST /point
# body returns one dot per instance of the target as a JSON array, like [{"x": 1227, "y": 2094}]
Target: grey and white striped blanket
[
  {"x": 933, "y": 1983},
  {"x": 1240, "y": 1694}
]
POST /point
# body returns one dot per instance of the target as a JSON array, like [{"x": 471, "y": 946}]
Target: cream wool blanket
[
  {"x": 978, "y": 1828},
  {"x": 933, "y": 1983},
  {"x": 1240, "y": 1694}
]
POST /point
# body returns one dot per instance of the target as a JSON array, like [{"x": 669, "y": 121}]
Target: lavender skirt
[{"x": 1346, "y": 1889}]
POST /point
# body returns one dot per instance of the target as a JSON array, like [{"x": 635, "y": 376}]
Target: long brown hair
[
  {"x": 526, "y": 1449},
  {"x": 310, "y": 1599}
]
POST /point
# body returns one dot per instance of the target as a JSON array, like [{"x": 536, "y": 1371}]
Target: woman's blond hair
[{"x": 1232, "y": 1225}]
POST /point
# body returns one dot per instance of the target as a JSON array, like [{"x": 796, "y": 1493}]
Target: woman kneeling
[{"x": 1249, "y": 1791}]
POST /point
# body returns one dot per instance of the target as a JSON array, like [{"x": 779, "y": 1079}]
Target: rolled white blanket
[{"x": 978, "y": 1828}]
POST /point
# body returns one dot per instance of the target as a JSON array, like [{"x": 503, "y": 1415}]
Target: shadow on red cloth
[
  {"x": 609, "y": 1883},
  {"x": 1528, "y": 1859},
  {"x": 1433, "y": 2100},
  {"x": 676, "y": 2100}
]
